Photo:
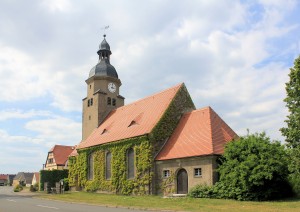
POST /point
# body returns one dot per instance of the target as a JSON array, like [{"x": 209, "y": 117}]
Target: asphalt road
[{"x": 18, "y": 202}]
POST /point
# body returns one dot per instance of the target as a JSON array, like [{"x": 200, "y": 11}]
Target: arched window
[
  {"x": 90, "y": 167},
  {"x": 130, "y": 163},
  {"x": 108, "y": 101},
  {"x": 108, "y": 166}
]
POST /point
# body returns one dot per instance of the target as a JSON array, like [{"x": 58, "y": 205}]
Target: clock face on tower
[{"x": 112, "y": 87}]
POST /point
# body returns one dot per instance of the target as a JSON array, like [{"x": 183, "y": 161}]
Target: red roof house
[{"x": 58, "y": 156}]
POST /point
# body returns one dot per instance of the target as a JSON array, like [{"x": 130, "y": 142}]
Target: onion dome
[{"x": 104, "y": 68}]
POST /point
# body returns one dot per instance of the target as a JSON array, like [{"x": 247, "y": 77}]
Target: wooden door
[{"x": 182, "y": 182}]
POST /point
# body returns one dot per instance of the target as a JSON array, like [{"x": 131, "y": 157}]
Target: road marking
[
  {"x": 45, "y": 206},
  {"x": 11, "y": 200}
]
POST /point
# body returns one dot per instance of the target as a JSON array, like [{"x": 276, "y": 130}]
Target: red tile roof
[
  {"x": 135, "y": 119},
  {"x": 3, "y": 176},
  {"x": 200, "y": 132},
  {"x": 61, "y": 153},
  {"x": 37, "y": 176}
]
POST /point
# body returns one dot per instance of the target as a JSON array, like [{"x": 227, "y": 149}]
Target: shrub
[
  {"x": 202, "y": 191},
  {"x": 18, "y": 188}
]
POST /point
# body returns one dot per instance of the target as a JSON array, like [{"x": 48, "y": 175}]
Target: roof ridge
[
  {"x": 210, "y": 112},
  {"x": 152, "y": 95}
]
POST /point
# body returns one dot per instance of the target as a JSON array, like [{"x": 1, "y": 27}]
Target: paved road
[{"x": 16, "y": 202}]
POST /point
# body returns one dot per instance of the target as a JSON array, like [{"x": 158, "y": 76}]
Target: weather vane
[{"x": 104, "y": 28}]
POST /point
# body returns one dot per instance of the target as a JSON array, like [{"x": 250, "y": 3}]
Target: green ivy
[
  {"x": 51, "y": 176},
  {"x": 118, "y": 182}
]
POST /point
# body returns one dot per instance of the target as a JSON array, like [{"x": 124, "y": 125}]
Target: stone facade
[{"x": 168, "y": 185}]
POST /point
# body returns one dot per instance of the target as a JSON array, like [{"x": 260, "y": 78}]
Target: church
[{"x": 160, "y": 144}]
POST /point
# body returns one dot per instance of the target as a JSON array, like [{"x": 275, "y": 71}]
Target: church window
[
  {"x": 90, "y": 167},
  {"x": 166, "y": 173},
  {"x": 108, "y": 101},
  {"x": 108, "y": 166},
  {"x": 130, "y": 163},
  {"x": 91, "y": 101},
  {"x": 198, "y": 172},
  {"x": 114, "y": 102},
  {"x": 88, "y": 103}
]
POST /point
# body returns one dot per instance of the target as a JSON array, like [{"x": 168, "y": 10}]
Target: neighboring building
[
  {"x": 36, "y": 178},
  {"x": 57, "y": 157},
  {"x": 159, "y": 144},
  {"x": 10, "y": 179},
  {"x": 23, "y": 178},
  {"x": 3, "y": 179}
]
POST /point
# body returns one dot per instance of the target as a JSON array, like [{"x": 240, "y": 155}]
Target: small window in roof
[
  {"x": 104, "y": 131},
  {"x": 133, "y": 122}
]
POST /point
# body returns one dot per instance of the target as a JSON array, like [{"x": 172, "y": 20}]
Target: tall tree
[{"x": 292, "y": 131}]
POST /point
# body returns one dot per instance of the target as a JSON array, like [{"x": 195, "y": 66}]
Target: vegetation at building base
[
  {"x": 252, "y": 168},
  {"x": 145, "y": 148},
  {"x": 51, "y": 177},
  {"x": 292, "y": 131},
  {"x": 34, "y": 188},
  {"x": 18, "y": 188}
]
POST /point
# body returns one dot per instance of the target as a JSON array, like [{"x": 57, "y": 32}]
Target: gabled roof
[
  {"x": 135, "y": 119},
  {"x": 37, "y": 176},
  {"x": 61, "y": 153},
  {"x": 24, "y": 176},
  {"x": 200, "y": 132},
  {"x": 3, "y": 176}
]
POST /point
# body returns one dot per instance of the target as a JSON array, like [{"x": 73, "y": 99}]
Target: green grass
[{"x": 176, "y": 204}]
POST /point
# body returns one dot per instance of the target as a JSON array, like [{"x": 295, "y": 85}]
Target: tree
[
  {"x": 292, "y": 131},
  {"x": 253, "y": 168}
]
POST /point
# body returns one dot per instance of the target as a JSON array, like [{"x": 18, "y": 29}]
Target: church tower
[{"x": 103, "y": 86}]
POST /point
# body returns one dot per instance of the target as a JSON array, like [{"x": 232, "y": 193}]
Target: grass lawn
[{"x": 175, "y": 204}]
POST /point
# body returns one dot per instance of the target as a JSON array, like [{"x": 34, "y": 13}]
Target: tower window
[
  {"x": 114, "y": 102},
  {"x": 90, "y": 86},
  {"x": 88, "y": 103},
  {"x": 108, "y": 101},
  {"x": 89, "y": 117},
  {"x": 91, "y": 101}
]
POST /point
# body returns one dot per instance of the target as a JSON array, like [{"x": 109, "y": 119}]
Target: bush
[
  {"x": 202, "y": 191},
  {"x": 34, "y": 188},
  {"x": 18, "y": 188}
]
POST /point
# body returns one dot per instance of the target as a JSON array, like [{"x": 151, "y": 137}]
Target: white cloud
[{"x": 20, "y": 114}]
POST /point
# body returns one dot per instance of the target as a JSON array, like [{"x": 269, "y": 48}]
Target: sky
[{"x": 232, "y": 55}]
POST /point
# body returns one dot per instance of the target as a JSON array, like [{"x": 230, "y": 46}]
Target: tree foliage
[
  {"x": 292, "y": 131},
  {"x": 253, "y": 168}
]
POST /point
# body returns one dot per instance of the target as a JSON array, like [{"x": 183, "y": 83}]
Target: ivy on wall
[
  {"x": 52, "y": 176},
  {"x": 145, "y": 148},
  {"x": 118, "y": 183}
]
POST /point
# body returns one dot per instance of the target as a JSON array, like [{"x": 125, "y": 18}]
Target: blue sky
[{"x": 232, "y": 55}]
